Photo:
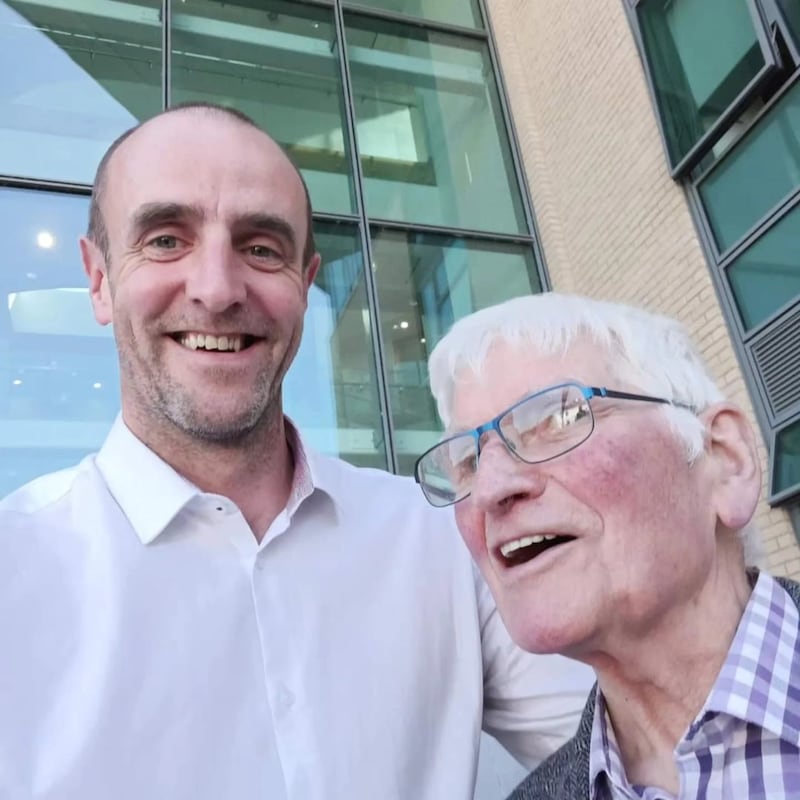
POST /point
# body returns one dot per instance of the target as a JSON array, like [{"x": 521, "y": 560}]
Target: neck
[
  {"x": 255, "y": 471},
  {"x": 655, "y": 684}
]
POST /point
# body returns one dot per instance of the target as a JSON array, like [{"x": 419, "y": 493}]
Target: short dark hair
[{"x": 97, "y": 230}]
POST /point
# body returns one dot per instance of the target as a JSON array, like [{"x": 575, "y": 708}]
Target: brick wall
[{"x": 611, "y": 221}]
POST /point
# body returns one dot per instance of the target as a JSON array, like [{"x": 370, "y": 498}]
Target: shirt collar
[
  {"x": 756, "y": 682},
  {"x": 151, "y": 493},
  {"x": 605, "y": 761}
]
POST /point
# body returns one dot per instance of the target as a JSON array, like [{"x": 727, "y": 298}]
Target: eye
[
  {"x": 164, "y": 242},
  {"x": 262, "y": 251}
]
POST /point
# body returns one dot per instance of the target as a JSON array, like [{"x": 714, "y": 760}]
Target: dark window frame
[{"x": 772, "y": 63}]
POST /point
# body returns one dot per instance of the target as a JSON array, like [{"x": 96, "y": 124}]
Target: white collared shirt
[{"x": 152, "y": 649}]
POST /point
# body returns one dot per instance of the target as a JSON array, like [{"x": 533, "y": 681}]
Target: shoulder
[
  {"x": 357, "y": 488},
  {"x": 559, "y": 776},
  {"x": 565, "y": 774},
  {"x": 791, "y": 587},
  {"x": 45, "y": 499}
]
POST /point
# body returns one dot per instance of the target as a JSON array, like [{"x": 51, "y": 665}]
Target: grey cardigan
[{"x": 565, "y": 775}]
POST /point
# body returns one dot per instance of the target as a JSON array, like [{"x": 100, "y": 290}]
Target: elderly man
[
  {"x": 207, "y": 609},
  {"x": 605, "y": 489}
]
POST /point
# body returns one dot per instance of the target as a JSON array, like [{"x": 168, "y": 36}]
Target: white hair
[{"x": 651, "y": 351}]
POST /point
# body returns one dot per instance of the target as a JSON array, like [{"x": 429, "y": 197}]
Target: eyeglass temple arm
[{"x": 599, "y": 391}]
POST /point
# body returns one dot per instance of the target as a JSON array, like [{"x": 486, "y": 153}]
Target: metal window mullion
[
  {"x": 460, "y": 233},
  {"x": 513, "y": 142},
  {"x": 378, "y": 350},
  {"x": 166, "y": 53},
  {"x": 415, "y": 22}
]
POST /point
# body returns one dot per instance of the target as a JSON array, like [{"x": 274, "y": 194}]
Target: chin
[{"x": 542, "y": 633}]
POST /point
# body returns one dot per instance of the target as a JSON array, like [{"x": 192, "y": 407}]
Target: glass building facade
[
  {"x": 724, "y": 76},
  {"x": 392, "y": 110}
]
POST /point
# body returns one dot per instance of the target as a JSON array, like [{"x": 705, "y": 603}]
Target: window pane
[
  {"x": 58, "y": 368},
  {"x": 432, "y": 147},
  {"x": 702, "y": 55},
  {"x": 786, "y": 459},
  {"x": 761, "y": 170},
  {"x": 456, "y": 12},
  {"x": 331, "y": 390},
  {"x": 277, "y": 63},
  {"x": 424, "y": 284},
  {"x": 75, "y": 76},
  {"x": 791, "y": 10},
  {"x": 767, "y": 275}
]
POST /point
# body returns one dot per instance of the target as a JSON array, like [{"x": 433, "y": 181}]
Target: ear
[
  {"x": 94, "y": 264},
  {"x": 310, "y": 272},
  {"x": 731, "y": 449}
]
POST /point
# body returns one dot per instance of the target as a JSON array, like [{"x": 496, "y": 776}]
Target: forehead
[
  {"x": 512, "y": 370},
  {"x": 207, "y": 160}
]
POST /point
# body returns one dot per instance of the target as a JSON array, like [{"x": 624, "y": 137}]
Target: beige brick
[{"x": 612, "y": 222}]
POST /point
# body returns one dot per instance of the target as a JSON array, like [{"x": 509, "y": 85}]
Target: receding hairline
[{"x": 97, "y": 230}]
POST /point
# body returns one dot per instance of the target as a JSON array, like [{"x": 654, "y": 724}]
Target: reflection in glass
[
  {"x": 331, "y": 389},
  {"x": 454, "y": 12},
  {"x": 278, "y": 63},
  {"x": 786, "y": 459},
  {"x": 702, "y": 55},
  {"x": 767, "y": 275},
  {"x": 76, "y": 74},
  {"x": 425, "y": 283},
  {"x": 58, "y": 369},
  {"x": 757, "y": 174},
  {"x": 433, "y": 149}
]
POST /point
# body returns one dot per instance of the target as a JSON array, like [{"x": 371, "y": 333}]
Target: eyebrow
[
  {"x": 152, "y": 215},
  {"x": 273, "y": 224}
]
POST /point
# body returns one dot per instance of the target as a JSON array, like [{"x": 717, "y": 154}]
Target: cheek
[{"x": 471, "y": 524}]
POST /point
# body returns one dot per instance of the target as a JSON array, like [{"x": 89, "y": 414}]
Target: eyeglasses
[{"x": 538, "y": 428}]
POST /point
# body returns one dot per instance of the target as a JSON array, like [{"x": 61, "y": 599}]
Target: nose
[
  {"x": 501, "y": 479},
  {"x": 216, "y": 278}
]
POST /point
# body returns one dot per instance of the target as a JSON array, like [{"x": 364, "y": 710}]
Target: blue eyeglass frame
[{"x": 588, "y": 392}]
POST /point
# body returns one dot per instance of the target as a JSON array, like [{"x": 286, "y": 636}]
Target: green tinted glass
[
  {"x": 276, "y": 62},
  {"x": 761, "y": 170},
  {"x": 331, "y": 390},
  {"x": 767, "y": 275},
  {"x": 424, "y": 284},
  {"x": 455, "y": 12},
  {"x": 786, "y": 459},
  {"x": 432, "y": 147},
  {"x": 791, "y": 11},
  {"x": 76, "y": 75},
  {"x": 702, "y": 55}
]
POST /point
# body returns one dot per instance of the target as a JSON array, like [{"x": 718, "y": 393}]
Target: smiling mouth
[
  {"x": 526, "y": 548},
  {"x": 224, "y": 343}
]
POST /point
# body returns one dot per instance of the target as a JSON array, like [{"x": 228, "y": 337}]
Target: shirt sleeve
[{"x": 532, "y": 703}]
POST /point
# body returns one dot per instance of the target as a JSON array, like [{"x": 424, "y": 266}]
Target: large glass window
[
  {"x": 767, "y": 275},
  {"x": 58, "y": 369},
  {"x": 761, "y": 171},
  {"x": 454, "y": 12},
  {"x": 75, "y": 75},
  {"x": 433, "y": 150},
  {"x": 786, "y": 462},
  {"x": 331, "y": 391},
  {"x": 424, "y": 284},
  {"x": 705, "y": 57},
  {"x": 277, "y": 62}
]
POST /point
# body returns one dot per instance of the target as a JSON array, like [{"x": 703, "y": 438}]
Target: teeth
[
  {"x": 511, "y": 547},
  {"x": 207, "y": 341}
]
